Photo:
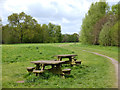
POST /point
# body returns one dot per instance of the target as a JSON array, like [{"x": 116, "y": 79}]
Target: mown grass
[
  {"x": 94, "y": 72},
  {"x": 111, "y": 51}
]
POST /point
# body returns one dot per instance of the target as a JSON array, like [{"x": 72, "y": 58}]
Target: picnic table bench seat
[
  {"x": 38, "y": 72},
  {"x": 30, "y": 69},
  {"x": 78, "y": 62},
  {"x": 66, "y": 71}
]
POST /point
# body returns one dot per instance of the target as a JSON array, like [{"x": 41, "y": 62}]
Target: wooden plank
[
  {"x": 30, "y": 69},
  {"x": 38, "y": 71},
  {"x": 66, "y": 55},
  {"x": 78, "y": 62},
  {"x": 66, "y": 71},
  {"x": 47, "y": 62}
]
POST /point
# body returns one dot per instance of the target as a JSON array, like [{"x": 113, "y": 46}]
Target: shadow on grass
[
  {"x": 77, "y": 71},
  {"x": 69, "y": 76}
]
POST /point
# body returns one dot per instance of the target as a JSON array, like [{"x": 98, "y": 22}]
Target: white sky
[{"x": 67, "y": 13}]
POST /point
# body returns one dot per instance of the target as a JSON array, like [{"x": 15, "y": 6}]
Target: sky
[{"x": 67, "y": 13}]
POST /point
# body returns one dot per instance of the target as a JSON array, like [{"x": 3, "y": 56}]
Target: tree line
[
  {"x": 100, "y": 25},
  {"x": 23, "y": 28}
]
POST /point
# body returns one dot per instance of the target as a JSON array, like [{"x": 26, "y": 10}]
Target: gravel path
[{"x": 114, "y": 62}]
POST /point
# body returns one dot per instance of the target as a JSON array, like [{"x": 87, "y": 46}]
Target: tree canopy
[
  {"x": 100, "y": 25},
  {"x": 23, "y": 28}
]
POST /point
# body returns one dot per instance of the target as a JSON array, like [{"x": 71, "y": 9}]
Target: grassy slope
[{"x": 95, "y": 71}]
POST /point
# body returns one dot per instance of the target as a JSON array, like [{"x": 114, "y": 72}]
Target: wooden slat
[
  {"x": 38, "y": 71},
  {"x": 66, "y": 55},
  {"x": 47, "y": 62},
  {"x": 30, "y": 67},
  {"x": 66, "y": 70}
]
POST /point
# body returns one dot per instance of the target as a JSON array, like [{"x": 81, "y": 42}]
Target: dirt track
[{"x": 114, "y": 62}]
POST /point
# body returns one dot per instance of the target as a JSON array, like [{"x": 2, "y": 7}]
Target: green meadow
[{"x": 94, "y": 72}]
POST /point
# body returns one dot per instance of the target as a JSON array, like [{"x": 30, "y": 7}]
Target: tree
[
  {"x": 105, "y": 37},
  {"x": 75, "y": 37},
  {"x": 115, "y": 9},
  {"x": 99, "y": 25},
  {"x": 23, "y": 28},
  {"x": 70, "y": 38},
  {"x": 45, "y": 33},
  {"x": 38, "y": 34},
  {"x": 58, "y": 35},
  {"x": 22, "y": 22},
  {"x": 51, "y": 32},
  {"x": 109, "y": 34},
  {"x": 95, "y": 13},
  {"x": 9, "y": 34},
  {"x": 115, "y": 34}
]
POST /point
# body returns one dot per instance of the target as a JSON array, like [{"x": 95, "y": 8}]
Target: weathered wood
[
  {"x": 38, "y": 72},
  {"x": 56, "y": 66},
  {"x": 70, "y": 56},
  {"x": 66, "y": 55},
  {"x": 75, "y": 59},
  {"x": 67, "y": 62},
  {"x": 66, "y": 71},
  {"x": 47, "y": 62},
  {"x": 56, "y": 70},
  {"x": 37, "y": 67},
  {"x": 78, "y": 62},
  {"x": 30, "y": 69}
]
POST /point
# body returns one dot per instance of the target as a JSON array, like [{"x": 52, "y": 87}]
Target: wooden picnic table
[
  {"x": 56, "y": 65},
  {"x": 70, "y": 56}
]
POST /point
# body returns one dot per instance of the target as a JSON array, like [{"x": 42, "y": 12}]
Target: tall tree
[
  {"x": 51, "y": 32},
  {"x": 105, "y": 37},
  {"x": 95, "y": 13},
  {"x": 45, "y": 33},
  {"x": 23, "y": 28},
  {"x": 22, "y": 22},
  {"x": 57, "y": 32}
]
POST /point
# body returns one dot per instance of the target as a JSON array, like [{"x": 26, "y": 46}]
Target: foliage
[
  {"x": 115, "y": 9},
  {"x": 100, "y": 25},
  {"x": 23, "y": 28},
  {"x": 70, "y": 38},
  {"x": 97, "y": 11},
  {"x": 97, "y": 28},
  {"x": 115, "y": 34},
  {"x": 105, "y": 38}
]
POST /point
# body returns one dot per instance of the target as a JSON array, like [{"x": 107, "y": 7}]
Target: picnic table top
[
  {"x": 66, "y": 55},
  {"x": 50, "y": 62}
]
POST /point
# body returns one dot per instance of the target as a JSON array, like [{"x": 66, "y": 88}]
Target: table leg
[
  {"x": 71, "y": 59},
  {"x": 52, "y": 66},
  {"x": 57, "y": 69},
  {"x": 42, "y": 67},
  {"x": 37, "y": 66},
  {"x": 59, "y": 58}
]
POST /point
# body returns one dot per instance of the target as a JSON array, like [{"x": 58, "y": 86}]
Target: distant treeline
[
  {"x": 22, "y": 28},
  {"x": 100, "y": 25}
]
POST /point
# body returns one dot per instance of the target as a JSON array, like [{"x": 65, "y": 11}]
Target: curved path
[{"x": 113, "y": 61}]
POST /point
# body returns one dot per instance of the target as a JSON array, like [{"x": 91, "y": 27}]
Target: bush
[
  {"x": 105, "y": 37},
  {"x": 114, "y": 35}
]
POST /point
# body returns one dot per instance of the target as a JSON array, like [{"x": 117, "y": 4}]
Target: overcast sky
[{"x": 67, "y": 13}]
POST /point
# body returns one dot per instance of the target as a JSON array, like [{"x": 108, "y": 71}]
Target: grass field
[{"x": 94, "y": 72}]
